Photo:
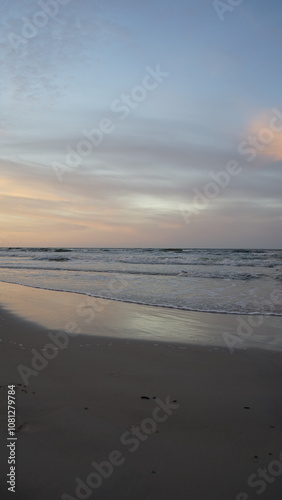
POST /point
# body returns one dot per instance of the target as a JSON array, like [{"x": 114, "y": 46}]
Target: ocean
[{"x": 238, "y": 281}]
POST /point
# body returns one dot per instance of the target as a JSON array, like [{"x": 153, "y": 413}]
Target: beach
[
  {"x": 158, "y": 418},
  {"x": 140, "y": 250}
]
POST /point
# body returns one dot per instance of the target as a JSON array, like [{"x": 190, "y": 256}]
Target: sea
[{"x": 231, "y": 281}]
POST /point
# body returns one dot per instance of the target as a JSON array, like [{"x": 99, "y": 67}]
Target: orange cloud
[
  {"x": 265, "y": 127},
  {"x": 9, "y": 187}
]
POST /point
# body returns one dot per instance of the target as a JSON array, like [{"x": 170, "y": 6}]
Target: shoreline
[
  {"x": 110, "y": 318},
  {"x": 144, "y": 304}
]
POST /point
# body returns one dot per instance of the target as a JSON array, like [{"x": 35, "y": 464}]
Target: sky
[{"x": 141, "y": 124}]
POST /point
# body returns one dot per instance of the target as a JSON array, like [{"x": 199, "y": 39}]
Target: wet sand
[{"x": 99, "y": 396}]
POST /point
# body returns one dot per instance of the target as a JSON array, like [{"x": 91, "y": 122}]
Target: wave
[
  {"x": 175, "y": 250},
  {"x": 160, "y": 256},
  {"x": 168, "y": 249},
  {"x": 53, "y": 259},
  {"x": 246, "y": 250},
  {"x": 224, "y": 276},
  {"x": 62, "y": 250},
  {"x": 181, "y": 274},
  {"x": 199, "y": 262},
  {"x": 26, "y": 249},
  {"x": 165, "y": 306}
]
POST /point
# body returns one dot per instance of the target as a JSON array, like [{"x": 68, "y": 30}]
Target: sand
[{"x": 104, "y": 398}]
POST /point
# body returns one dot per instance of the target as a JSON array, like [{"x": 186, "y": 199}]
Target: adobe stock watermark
[
  {"x": 87, "y": 309},
  {"x": 262, "y": 478},
  {"x": 221, "y": 7},
  {"x": 247, "y": 324},
  {"x": 30, "y": 27},
  {"x": 122, "y": 107},
  {"x": 59, "y": 341},
  {"x": 130, "y": 439},
  {"x": 220, "y": 180}
]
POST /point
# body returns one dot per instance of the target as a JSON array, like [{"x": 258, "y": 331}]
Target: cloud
[
  {"x": 270, "y": 141},
  {"x": 64, "y": 79}
]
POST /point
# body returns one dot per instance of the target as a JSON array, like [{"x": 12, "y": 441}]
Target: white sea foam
[{"x": 225, "y": 281}]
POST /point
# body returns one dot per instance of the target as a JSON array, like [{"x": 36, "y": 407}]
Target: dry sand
[{"x": 224, "y": 426}]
